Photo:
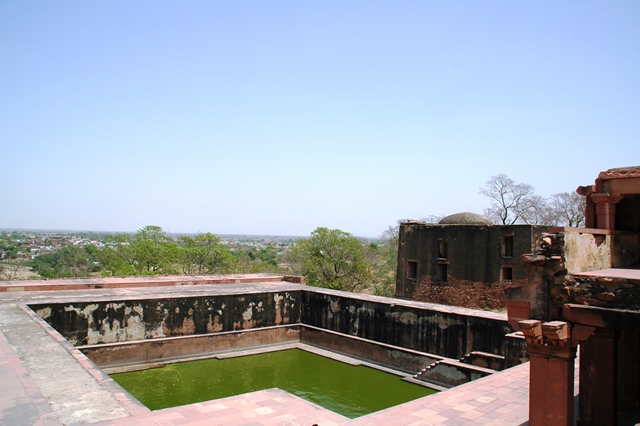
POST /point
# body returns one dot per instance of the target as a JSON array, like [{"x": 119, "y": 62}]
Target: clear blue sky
[{"x": 274, "y": 117}]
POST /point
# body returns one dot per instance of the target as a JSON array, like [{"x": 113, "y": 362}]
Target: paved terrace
[{"x": 46, "y": 381}]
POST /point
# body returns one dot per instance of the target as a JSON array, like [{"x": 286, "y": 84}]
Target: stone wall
[
  {"x": 468, "y": 294},
  {"x": 449, "y": 332},
  {"x": 604, "y": 292},
  {"x": 171, "y": 348},
  {"x": 479, "y": 258},
  {"x": 403, "y": 335},
  {"x": 584, "y": 251},
  {"x": 132, "y": 320}
]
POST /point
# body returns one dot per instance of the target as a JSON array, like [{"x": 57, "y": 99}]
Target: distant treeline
[
  {"x": 329, "y": 258},
  {"x": 150, "y": 251}
]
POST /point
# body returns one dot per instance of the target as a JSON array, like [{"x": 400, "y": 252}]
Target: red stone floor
[{"x": 629, "y": 274}]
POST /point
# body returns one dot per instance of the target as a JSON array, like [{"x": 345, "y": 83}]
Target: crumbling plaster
[{"x": 586, "y": 252}]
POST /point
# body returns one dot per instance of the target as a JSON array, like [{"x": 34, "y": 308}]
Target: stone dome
[{"x": 465, "y": 218}]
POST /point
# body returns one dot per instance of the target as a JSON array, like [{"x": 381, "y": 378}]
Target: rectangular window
[
  {"x": 441, "y": 273},
  {"x": 412, "y": 269},
  {"x": 507, "y": 245},
  {"x": 507, "y": 273}
]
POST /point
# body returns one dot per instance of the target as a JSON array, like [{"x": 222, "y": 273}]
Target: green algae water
[{"x": 351, "y": 391}]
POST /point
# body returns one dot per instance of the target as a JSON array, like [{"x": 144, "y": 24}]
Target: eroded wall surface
[
  {"x": 404, "y": 335},
  {"x": 131, "y": 320},
  {"x": 445, "y": 332},
  {"x": 586, "y": 252},
  {"x": 475, "y": 261}
]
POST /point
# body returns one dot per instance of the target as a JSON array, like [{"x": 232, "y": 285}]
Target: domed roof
[{"x": 465, "y": 218}]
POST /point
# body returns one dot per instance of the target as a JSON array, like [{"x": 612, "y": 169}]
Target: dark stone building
[{"x": 463, "y": 260}]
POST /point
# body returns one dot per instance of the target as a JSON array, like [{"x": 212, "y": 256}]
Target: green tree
[
  {"x": 44, "y": 265},
  {"x": 150, "y": 251},
  {"x": 118, "y": 257},
  {"x": 69, "y": 261},
  {"x": 72, "y": 261},
  {"x": 204, "y": 254},
  {"x": 332, "y": 258},
  {"x": 154, "y": 251},
  {"x": 268, "y": 254}
]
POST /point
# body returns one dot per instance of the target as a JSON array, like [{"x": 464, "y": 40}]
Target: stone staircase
[
  {"x": 485, "y": 360},
  {"x": 449, "y": 372}
]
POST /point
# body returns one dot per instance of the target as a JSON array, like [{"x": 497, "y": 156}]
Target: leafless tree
[
  {"x": 568, "y": 209},
  {"x": 390, "y": 235},
  {"x": 537, "y": 211},
  {"x": 432, "y": 218},
  {"x": 510, "y": 202},
  {"x": 10, "y": 269},
  {"x": 517, "y": 203}
]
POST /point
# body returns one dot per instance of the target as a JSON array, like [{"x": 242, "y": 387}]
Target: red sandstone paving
[
  {"x": 632, "y": 274},
  {"x": 475, "y": 403}
]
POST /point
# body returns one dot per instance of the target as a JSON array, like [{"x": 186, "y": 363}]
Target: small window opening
[
  {"x": 441, "y": 273},
  {"x": 507, "y": 245},
  {"x": 442, "y": 249},
  {"x": 507, "y": 273},
  {"x": 412, "y": 269}
]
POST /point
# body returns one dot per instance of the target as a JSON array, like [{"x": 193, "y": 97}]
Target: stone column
[
  {"x": 589, "y": 211},
  {"x": 598, "y": 384},
  {"x": 552, "y": 355},
  {"x": 606, "y": 209}
]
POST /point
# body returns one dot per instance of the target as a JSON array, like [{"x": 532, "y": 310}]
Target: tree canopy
[
  {"x": 332, "y": 258},
  {"x": 204, "y": 254}
]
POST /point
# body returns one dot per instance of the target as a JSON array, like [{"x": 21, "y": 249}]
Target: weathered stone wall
[
  {"x": 559, "y": 267},
  {"x": 468, "y": 294},
  {"x": 468, "y": 253},
  {"x": 586, "y": 252},
  {"x": 129, "y": 320},
  {"x": 405, "y": 336},
  {"x": 165, "y": 349},
  {"x": 391, "y": 356},
  {"x": 447, "y": 332},
  {"x": 604, "y": 292}
]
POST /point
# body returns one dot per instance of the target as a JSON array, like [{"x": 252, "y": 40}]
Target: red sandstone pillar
[
  {"x": 606, "y": 209},
  {"x": 589, "y": 210},
  {"x": 598, "y": 384},
  {"x": 552, "y": 355}
]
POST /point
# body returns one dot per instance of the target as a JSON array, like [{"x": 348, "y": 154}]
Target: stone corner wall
[{"x": 586, "y": 252}]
